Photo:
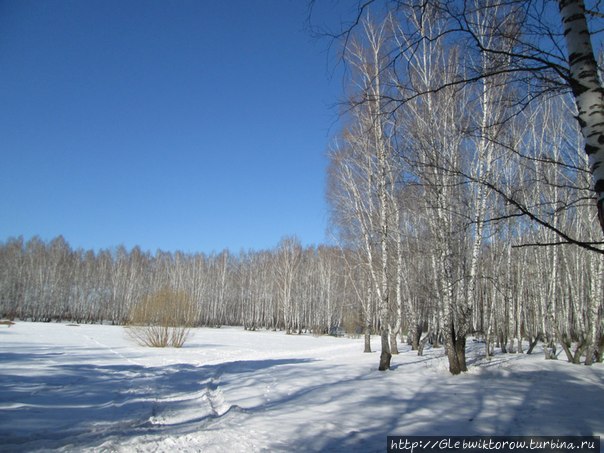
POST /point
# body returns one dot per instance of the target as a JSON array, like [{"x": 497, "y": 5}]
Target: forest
[{"x": 460, "y": 198}]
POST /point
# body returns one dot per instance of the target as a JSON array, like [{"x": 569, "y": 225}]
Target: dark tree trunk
[
  {"x": 599, "y": 353},
  {"x": 532, "y": 343},
  {"x": 416, "y": 337},
  {"x": 502, "y": 343},
  {"x": 456, "y": 351}
]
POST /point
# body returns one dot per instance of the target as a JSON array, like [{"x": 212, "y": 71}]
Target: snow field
[{"x": 90, "y": 388}]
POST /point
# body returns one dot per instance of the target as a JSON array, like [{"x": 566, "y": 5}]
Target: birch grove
[
  {"x": 461, "y": 196},
  {"x": 485, "y": 140}
]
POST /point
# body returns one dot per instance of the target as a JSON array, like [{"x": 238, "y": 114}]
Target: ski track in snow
[{"x": 90, "y": 388}]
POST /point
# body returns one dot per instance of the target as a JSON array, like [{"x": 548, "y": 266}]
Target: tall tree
[{"x": 587, "y": 90}]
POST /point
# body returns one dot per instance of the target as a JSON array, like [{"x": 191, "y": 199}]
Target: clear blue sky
[{"x": 181, "y": 125}]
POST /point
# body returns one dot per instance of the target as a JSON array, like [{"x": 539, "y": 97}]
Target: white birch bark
[{"x": 587, "y": 90}]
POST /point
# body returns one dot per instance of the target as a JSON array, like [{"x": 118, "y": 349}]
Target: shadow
[
  {"x": 15, "y": 357},
  {"x": 304, "y": 404},
  {"x": 84, "y": 404},
  {"x": 414, "y": 361},
  {"x": 553, "y": 400}
]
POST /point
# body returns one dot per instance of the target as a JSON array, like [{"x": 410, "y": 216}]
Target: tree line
[
  {"x": 326, "y": 289},
  {"x": 291, "y": 288}
]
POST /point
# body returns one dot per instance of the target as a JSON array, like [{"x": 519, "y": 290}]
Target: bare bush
[{"x": 162, "y": 319}]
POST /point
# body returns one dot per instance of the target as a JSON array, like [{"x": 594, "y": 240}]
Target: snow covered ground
[{"x": 90, "y": 388}]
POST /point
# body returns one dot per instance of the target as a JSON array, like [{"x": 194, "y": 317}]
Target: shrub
[{"x": 161, "y": 319}]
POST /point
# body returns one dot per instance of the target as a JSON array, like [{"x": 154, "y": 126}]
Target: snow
[{"x": 91, "y": 388}]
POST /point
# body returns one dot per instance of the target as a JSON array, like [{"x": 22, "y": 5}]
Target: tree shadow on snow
[
  {"x": 77, "y": 405},
  {"x": 83, "y": 405},
  {"x": 553, "y": 401}
]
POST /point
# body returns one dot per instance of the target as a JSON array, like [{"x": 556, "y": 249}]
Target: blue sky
[{"x": 174, "y": 125}]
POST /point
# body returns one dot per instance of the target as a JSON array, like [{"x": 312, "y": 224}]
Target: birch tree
[
  {"x": 289, "y": 254},
  {"x": 365, "y": 171},
  {"x": 587, "y": 90}
]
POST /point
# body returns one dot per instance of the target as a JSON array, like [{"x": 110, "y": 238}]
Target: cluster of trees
[
  {"x": 460, "y": 179},
  {"x": 291, "y": 287}
]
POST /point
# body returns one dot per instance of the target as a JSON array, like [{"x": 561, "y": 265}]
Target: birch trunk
[
  {"x": 594, "y": 301},
  {"x": 587, "y": 90}
]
